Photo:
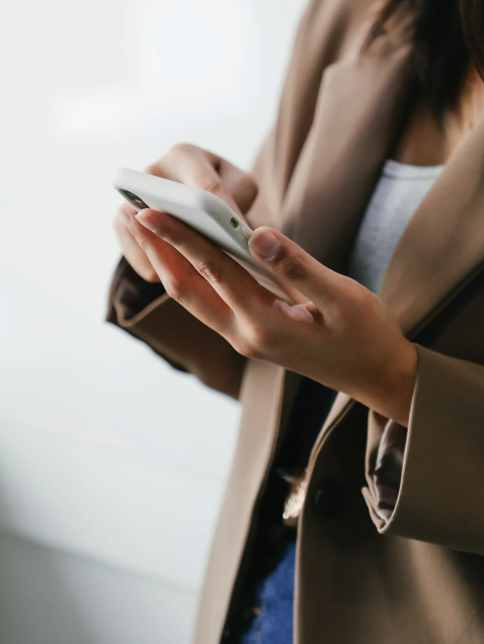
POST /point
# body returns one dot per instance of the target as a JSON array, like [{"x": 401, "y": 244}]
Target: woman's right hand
[{"x": 193, "y": 166}]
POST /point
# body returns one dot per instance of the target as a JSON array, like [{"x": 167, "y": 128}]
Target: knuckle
[
  {"x": 157, "y": 168},
  {"x": 176, "y": 289},
  {"x": 172, "y": 291},
  {"x": 125, "y": 210},
  {"x": 353, "y": 304},
  {"x": 211, "y": 184},
  {"x": 149, "y": 274},
  {"x": 169, "y": 159},
  {"x": 248, "y": 185},
  {"x": 256, "y": 342},
  {"x": 266, "y": 341},
  {"x": 144, "y": 244},
  {"x": 359, "y": 297},
  {"x": 245, "y": 191},
  {"x": 209, "y": 271},
  {"x": 181, "y": 149},
  {"x": 370, "y": 305},
  {"x": 246, "y": 349},
  {"x": 177, "y": 154},
  {"x": 153, "y": 168},
  {"x": 294, "y": 268}
]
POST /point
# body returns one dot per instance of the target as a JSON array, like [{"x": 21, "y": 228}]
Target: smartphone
[{"x": 203, "y": 211}]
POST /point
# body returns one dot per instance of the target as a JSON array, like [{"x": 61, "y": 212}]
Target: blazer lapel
[
  {"x": 360, "y": 109},
  {"x": 443, "y": 245},
  {"x": 361, "y": 106}
]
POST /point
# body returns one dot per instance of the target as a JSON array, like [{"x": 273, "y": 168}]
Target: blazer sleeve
[
  {"x": 441, "y": 495},
  {"x": 145, "y": 311}
]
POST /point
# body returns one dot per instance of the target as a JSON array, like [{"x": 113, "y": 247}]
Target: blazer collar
[
  {"x": 361, "y": 106},
  {"x": 442, "y": 247}
]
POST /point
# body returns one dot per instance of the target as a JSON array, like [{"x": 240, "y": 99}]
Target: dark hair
[
  {"x": 447, "y": 34},
  {"x": 473, "y": 25}
]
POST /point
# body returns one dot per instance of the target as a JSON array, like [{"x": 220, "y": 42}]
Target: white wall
[
  {"x": 56, "y": 597},
  {"x": 112, "y": 466}
]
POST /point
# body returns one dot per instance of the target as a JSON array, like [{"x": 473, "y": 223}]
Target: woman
[{"x": 387, "y": 248}]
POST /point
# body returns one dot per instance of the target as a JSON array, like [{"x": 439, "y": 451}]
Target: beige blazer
[{"x": 420, "y": 577}]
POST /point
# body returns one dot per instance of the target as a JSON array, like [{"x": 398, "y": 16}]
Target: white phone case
[{"x": 201, "y": 210}]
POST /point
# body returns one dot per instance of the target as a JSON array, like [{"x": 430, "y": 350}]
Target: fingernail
[
  {"x": 147, "y": 220},
  {"x": 264, "y": 243}
]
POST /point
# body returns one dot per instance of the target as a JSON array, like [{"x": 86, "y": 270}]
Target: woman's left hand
[{"x": 343, "y": 337}]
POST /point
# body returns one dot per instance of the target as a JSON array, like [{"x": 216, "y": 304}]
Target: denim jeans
[{"x": 273, "y": 624}]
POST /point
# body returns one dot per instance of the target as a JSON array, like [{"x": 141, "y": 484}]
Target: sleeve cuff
[
  {"x": 130, "y": 295},
  {"x": 131, "y": 300},
  {"x": 385, "y": 470},
  {"x": 441, "y": 493}
]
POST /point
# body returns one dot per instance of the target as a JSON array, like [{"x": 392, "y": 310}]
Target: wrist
[{"x": 394, "y": 399}]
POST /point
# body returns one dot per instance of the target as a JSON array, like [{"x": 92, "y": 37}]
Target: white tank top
[{"x": 397, "y": 196}]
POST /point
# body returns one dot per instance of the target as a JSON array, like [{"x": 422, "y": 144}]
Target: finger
[
  {"x": 193, "y": 166},
  {"x": 243, "y": 294},
  {"x": 241, "y": 185},
  {"x": 182, "y": 282},
  {"x": 131, "y": 250},
  {"x": 199, "y": 172},
  {"x": 293, "y": 266}
]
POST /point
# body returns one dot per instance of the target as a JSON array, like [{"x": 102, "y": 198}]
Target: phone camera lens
[
  {"x": 234, "y": 223},
  {"x": 134, "y": 199}
]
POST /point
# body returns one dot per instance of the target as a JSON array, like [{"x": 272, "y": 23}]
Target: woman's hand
[
  {"x": 343, "y": 337},
  {"x": 193, "y": 166}
]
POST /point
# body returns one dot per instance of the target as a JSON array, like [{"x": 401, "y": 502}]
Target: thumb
[{"x": 293, "y": 266}]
